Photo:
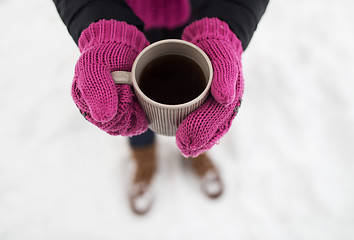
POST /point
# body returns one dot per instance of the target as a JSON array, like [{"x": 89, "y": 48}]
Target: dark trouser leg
[{"x": 144, "y": 139}]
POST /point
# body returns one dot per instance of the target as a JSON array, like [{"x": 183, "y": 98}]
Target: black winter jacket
[{"x": 241, "y": 15}]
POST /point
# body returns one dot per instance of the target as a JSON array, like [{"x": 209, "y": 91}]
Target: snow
[{"x": 287, "y": 162}]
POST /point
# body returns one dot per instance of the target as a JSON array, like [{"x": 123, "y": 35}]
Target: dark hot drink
[{"x": 172, "y": 79}]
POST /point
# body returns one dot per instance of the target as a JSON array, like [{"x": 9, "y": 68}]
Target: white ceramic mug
[{"x": 163, "y": 118}]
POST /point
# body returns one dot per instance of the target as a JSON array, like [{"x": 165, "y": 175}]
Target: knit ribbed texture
[
  {"x": 108, "y": 46},
  {"x": 168, "y": 14},
  {"x": 224, "y": 50},
  {"x": 204, "y": 127}
]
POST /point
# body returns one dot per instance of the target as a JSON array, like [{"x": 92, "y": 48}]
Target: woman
[{"x": 111, "y": 33}]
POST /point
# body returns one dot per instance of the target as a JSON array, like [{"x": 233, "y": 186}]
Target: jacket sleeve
[
  {"x": 241, "y": 15},
  {"x": 77, "y": 15}
]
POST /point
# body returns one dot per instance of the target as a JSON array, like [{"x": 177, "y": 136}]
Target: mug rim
[{"x": 175, "y": 106}]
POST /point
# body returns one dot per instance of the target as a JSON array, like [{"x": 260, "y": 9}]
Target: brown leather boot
[
  {"x": 140, "y": 193},
  {"x": 204, "y": 168}
]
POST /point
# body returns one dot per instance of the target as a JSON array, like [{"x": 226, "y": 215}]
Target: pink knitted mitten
[
  {"x": 206, "y": 125},
  {"x": 168, "y": 14},
  {"x": 108, "y": 46}
]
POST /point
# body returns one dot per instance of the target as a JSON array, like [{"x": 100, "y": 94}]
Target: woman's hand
[
  {"x": 206, "y": 125},
  {"x": 108, "y": 46}
]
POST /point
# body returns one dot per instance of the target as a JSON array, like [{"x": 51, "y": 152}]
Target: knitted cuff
[
  {"x": 211, "y": 28},
  {"x": 108, "y": 31}
]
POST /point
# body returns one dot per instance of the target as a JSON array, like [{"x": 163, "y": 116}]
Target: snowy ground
[{"x": 287, "y": 161}]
